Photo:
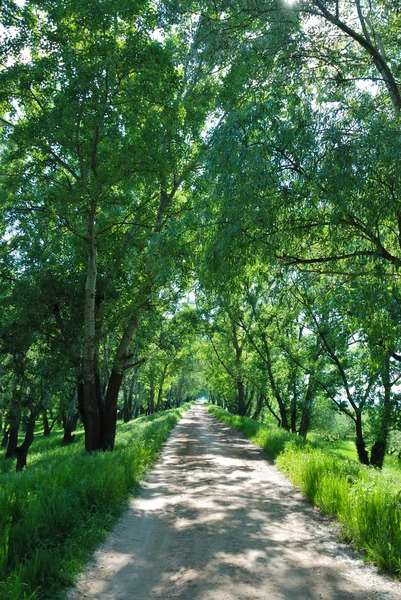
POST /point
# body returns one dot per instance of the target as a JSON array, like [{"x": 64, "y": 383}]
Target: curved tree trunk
[
  {"x": 22, "y": 451},
  {"x": 109, "y": 419}
]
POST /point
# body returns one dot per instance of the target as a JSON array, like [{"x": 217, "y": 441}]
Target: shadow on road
[{"x": 216, "y": 521}]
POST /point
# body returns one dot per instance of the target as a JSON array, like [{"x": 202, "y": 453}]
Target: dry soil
[{"x": 215, "y": 520}]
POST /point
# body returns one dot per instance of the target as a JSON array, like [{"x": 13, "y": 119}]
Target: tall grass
[
  {"x": 53, "y": 515},
  {"x": 366, "y": 502}
]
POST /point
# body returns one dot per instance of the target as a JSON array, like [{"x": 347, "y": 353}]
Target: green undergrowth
[
  {"x": 366, "y": 502},
  {"x": 53, "y": 515}
]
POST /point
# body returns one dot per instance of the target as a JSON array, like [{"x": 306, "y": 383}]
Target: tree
[{"x": 99, "y": 145}]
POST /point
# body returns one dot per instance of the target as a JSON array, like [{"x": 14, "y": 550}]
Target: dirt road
[{"x": 216, "y": 521}]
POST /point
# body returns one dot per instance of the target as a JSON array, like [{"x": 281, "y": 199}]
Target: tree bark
[
  {"x": 69, "y": 418},
  {"x": 13, "y": 438},
  {"x": 137, "y": 404},
  {"x": 110, "y": 410},
  {"x": 46, "y": 426},
  {"x": 92, "y": 422},
  {"x": 360, "y": 442},
  {"x": 259, "y": 406},
  {"x": 160, "y": 392},
  {"x": 307, "y": 408},
  {"x": 241, "y": 404},
  {"x": 69, "y": 425},
  {"x": 276, "y": 392},
  {"x": 241, "y": 398},
  {"x": 22, "y": 451},
  {"x": 109, "y": 420},
  {"x": 151, "y": 406},
  {"x": 378, "y": 451},
  {"x": 127, "y": 410}
]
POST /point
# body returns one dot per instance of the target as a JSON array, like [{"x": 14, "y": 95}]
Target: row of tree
[{"x": 247, "y": 149}]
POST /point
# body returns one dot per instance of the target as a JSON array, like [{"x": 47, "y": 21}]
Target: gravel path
[{"x": 216, "y": 521}]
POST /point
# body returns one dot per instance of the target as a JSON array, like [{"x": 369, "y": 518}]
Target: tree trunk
[
  {"x": 151, "y": 405},
  {"x": 110, "y": 410},
  {"x": 259, "y": 406},
  {"x": 13, "y": 438},
  {"x": 276, "y": 392},
  {"x": 68, "y": 436},
  {"x": 241, "y": 399},
  {"x": 127, "y": 409},
  {"x": 6, "y": 433},
  {"x": 22, "y": 451},
  {"x": 69, "y": 421},
  {"x": 46, "y": 426},
  {"x": 160, "y": 392},
  {"x": 92, "y": 421},
  {"x": 137, "y": 408},
  {"x": 109, "y": 420},
  {"x": 360, "y": 442},
  {"x": 241, "y": 405},
  {"x": 307, "y": 408},
  {"x": 379, "y": 447},
  {"x": 137, "y": 404},
  {"x": 294, "y": 414},
  {"x": 292, "y": 393}
]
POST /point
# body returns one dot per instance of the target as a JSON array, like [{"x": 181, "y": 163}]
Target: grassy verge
[
  {"x": 54, "y": 515},
  {"x": 366, "y": 502}
]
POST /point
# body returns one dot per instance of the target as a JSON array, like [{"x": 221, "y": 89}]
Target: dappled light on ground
[{"x": 216, "y": 521}]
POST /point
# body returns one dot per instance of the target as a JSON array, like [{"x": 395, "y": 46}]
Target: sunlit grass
[
  {"x": 53, "y": 515},
  {"x": 346, "y": 448},
  {"x": 366, "y": 502}
]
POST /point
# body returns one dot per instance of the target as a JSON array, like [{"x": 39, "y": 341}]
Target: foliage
[{"x": 248, "y": 151}]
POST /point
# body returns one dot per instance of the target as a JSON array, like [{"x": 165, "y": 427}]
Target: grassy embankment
[
  {"x": 53, "y": 515},
  {"x": 366, "y": 502}
]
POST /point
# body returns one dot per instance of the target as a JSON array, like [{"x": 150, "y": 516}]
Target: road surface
[{"x": 216, "y": 521}]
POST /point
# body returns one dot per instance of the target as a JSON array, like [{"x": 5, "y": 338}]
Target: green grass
[
  {"x": 346, "y": 448},
  {"x": 366, "y": 502},
  {"x": 53, "y": 515}
]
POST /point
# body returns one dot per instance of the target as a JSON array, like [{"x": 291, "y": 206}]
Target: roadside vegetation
[
  {"x": 54, "y": 515},
  {"x": 365, "y": 500},
  {"x": 196, "y": 199}
]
